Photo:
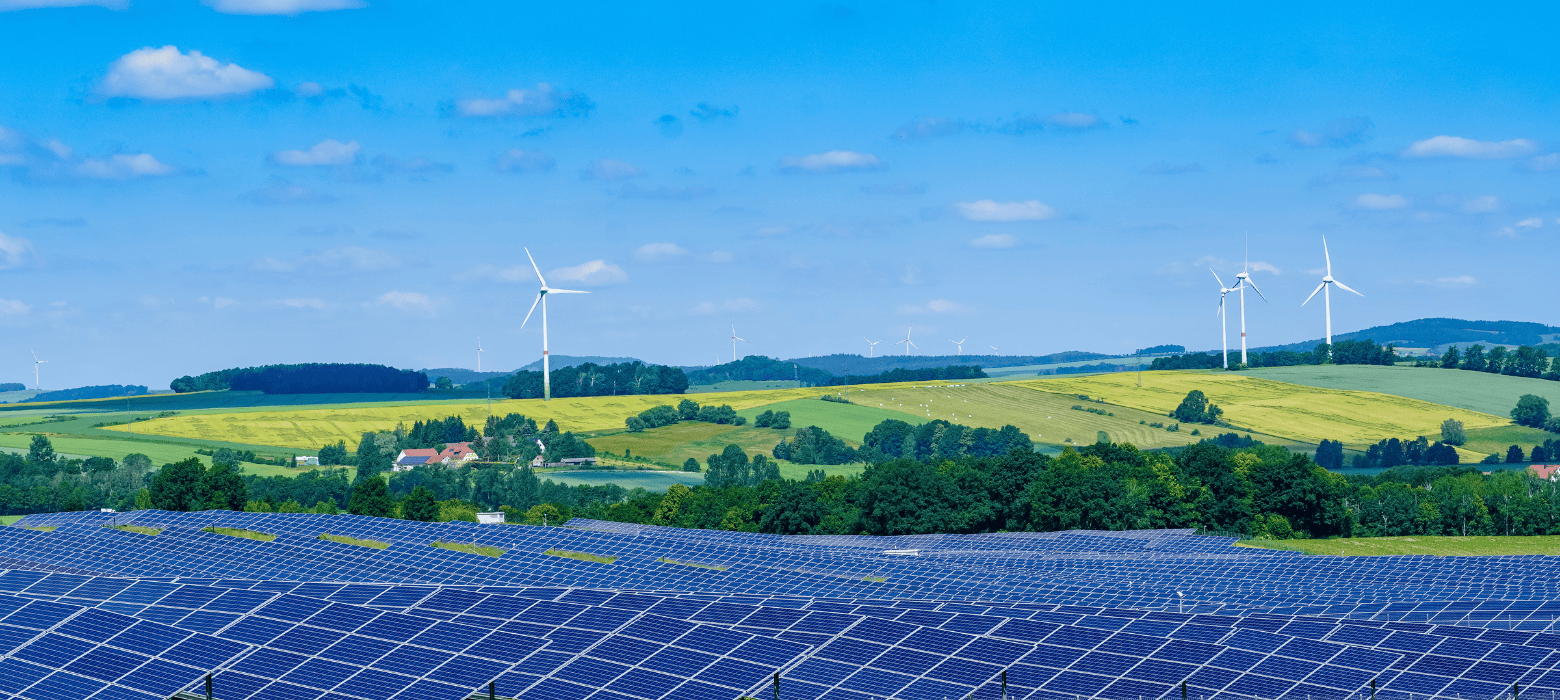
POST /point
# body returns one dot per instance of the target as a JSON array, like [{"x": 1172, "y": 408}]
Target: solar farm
[{"x": 151, "y": 605}]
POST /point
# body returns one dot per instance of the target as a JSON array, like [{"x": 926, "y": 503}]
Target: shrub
[
  {"x": 1531, "y": 411},
  {"x": 1452, "y": 432}
]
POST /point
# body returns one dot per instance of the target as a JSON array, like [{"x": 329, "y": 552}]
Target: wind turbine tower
[
  {"x": 541, "y": 298},
  {"x": 734, "y": 340},
  {"x": 907, "y": 342},
  {"x": 1326, "y": 289},
  {"x": 37, "y": 385},
  {"x": 960, "y": 345},
  {"x": 1224, "y": 325},
  {"x": 1243, "y": 280},
  {"x": 871, "y": 346},
  {"x": 480, "y": 353}
]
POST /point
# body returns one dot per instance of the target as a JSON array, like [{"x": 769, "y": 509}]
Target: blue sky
[{"x": 187, "y": 186}]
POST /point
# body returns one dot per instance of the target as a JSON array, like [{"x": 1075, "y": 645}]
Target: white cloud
[
  {"x": 280, "y": 7},
  {"x": 1380, "y": 201},
  {"x": 310, "y": 89},
  {"x": 284, "y": 192},
  {"x": 719, "y": 256},
  {"x": 407, "y": 301},
  {"x": 1075, "y": 120},
  {"x": 123, "y": 166},
  {"x": 595, "y": 273},
  {"x": 1460, "y": 279},
  {"x": 608, "y": 169},
  {"x": 303, "y": 303},
  {"x": 353, "y": 258},
  {"x": 516, "y": 160},
  {"x": 1338, "y": 133},
  {"x": 832, "y": 161},
  {"x": 1459, "y": 147},
  {"x": 12, "y": 307},
  {"x": 223, "y": 302},
  {"x": 995, "y": 240},
  {"x": 1548, "y": 161},
  {"x": 769, "y": 231},
  {"x": 935, "y": 306},
  {"x": 990, "y": 210},
  {"x": 656, "y": 252},
  {"x": 1260, "y": 266},
  {"x": 742, "y": 305},
  {"x": 1486, "y": 203},
  {"x": 168, "y": 74},
  {"x": 14, "y": 252},
  {"x": 10, "y": 5},
  {"x": 1533, "y": 222},
  {"x": 327, "y": 152},
  {"x": 543, "y": 101}
]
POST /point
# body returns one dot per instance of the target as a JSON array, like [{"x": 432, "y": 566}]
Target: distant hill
[
  {"x": 1438, "y": 332},
  {"x": 461, "y": 375},
  {"x": 88, "y": 392},
  {"x": 561, "y": 361},
  {"x": 13, "y": 386},
  {"x": 843, "y": 364}
]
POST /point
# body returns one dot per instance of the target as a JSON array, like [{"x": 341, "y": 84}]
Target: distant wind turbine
[
  {"x": 1326, "y": 289},
  {"x": 1243, "y": 280},
  {"x": 871, "y": 346},
  {"x": 734, "y": 340},
  {"x": 907, "y": 342},
  {"x": 480, "y": 353},
  {"x": 37, "y": 385},
  {"x": 541, "y": 298},
  {"x": 960, "y": 345},
  {"x": 1224, "y": 325}
]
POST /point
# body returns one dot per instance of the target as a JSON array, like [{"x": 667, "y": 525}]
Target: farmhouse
[{"x": 453, "y": 453}]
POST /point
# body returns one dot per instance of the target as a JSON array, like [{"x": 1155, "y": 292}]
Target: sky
[{"x": 187, "y": 186}]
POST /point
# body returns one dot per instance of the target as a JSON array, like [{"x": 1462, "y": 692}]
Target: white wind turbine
[
  {"x": 1326, "y": 289},
  {"x": 37, "y": 385},
  {"x": 907, "y": 342},
  {"x": 993, "y": 348},
  {"x": 480, "y": 353},
  {"x": 960, "y": 345},
  {"x": 734, "y": 340},
  {"x": 1224, "y": 325},
  {"x": 871, "y": 346},
  {"x": 541, "y": 298},
  {"x": 1242, "y": 281}
]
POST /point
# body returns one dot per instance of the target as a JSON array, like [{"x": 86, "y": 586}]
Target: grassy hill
[{"x": 1494, "y": 394}]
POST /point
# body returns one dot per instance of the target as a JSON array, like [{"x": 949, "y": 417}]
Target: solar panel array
[{"x": 608, "y": 611}]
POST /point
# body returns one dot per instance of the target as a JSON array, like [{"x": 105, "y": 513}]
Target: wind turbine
[
  {"x": 734, "y": 340},
  {"x": 1243, "y": 280},
  {"x": 871, "y": 346},
  {"x": 541, "y": 298},
  {"x": 37, "y": 385},
  {"x": 1326, "y": 289},
  {"x": 480, "y": 353},
  {"x": 960, "y": 345},
  {"x": 1224, "y": 325},
  {"x": 993, "y": 348},
  {"x": 907, "y": 342}
]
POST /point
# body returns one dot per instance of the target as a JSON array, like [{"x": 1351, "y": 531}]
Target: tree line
[
  {"x": 1525, "y": 361},
  {"x": 760, "y": 368},
  {"x": 929, "y": 374},
  {"x": 1343, "y": 352},
  {"x": 105, "y": 391},
  {"x": 310, "y": 378},
  {"x": 590, "y": 379}
]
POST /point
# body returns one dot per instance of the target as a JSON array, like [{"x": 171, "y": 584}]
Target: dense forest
[
  {"x": 1343, "y": 352},
  {"x": 313, "y": 378},
  {"x": 105, "y": 391},
  {"x": 760, "y": 368},
  {"x": 591, "y": 379}
]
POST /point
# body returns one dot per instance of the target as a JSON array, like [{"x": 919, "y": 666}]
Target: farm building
[{"x": 453, "y": 453}]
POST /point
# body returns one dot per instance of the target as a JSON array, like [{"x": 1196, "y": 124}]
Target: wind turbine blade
[
  {"x": 565, "y": 291},
  {"x": 534, "y": 267},
  {"x": 1254, "y": 288},
  {"x": 533, "y": 310},
  {"x": 1313, "y": 293},
  {"x": 1327, "y": 255},
  {"x": 1216, "y": 276},
  {"x": 1220, "y": 310},
  {"x": 1345, "y": 287}
]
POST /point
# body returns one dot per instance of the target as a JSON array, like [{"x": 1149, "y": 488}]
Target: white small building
[
  {"x": 306, "y": 461},
  {"x": 496, "y": 518}
]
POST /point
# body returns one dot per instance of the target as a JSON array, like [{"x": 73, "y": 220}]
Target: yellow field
[
  {"x": 1291, "y": 411},
  {"x": 311, "y": 428}
]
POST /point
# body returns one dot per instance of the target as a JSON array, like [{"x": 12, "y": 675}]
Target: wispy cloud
[
  {"x": 609, "y": 169},
  {"x": 12, "y": 5},
  {"x": 1380, "y": 201},
  {"x": 169, "y": 74},
  {"x": 280, "y": 7},
  {"x": 544, "y": 101},
  {"x": 991, "y": 210},
  {"x": 666, "y": 192},
  {"x": 1458, "y": 280},
  {"x": 596, "y": 273},
  {"x": 935, "y": 306},
  {"x": 303, "y": 303},
  {"x": 1481, "y": 205},
  {"x": 1338, "y": 133},
  {"x": 932, "y": 127},
  {"x": 52, "y": 161},
  {"x": 929, "y": 127},
  {"x": 995, "y": 240},
  {"x": 413, "y": 302},
  {"x": 15, "y": 252},
  {"x": 386, "y": 163},
  {"x": 1459, "y": 147},
  {"x": 658, "y": 252},
  {"x": 1163, "y": 168},
  {"x": 729, "y": 306},
  {"x": 13, "y": 307},
  {"x": 517, "y": 160},
  {"x": 706, "y": 111},
  {"x": 283, "y": 192},
  {"x": 345, "y": 258},
  {"x": 901, "y": 188},
  {"x": 327, "y": 152},
  {"x": 831, "y": 162}
]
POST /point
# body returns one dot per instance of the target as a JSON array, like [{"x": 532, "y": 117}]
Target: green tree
[
  {"x": 1527, "y": 361},
  {"x": 1496, "y": 360},
  {"x": 544, "y": 514},
  {"x": 1531, "y": 411},
  {"x": 420, "y": 505},
  {"x": 1452, "y": 432},
  {"x": 692, "y": 465},
  {"x": 1451, "y": 359},
  {"x": 40, "y": 454},
  {"x": 1196, "y": 408},
  {"x": 371, "y": 459},
  {"x": 796, "y": 510},
  {"x": 179, "y": 486},
  {"x": 371, "y": 497},
  {"x": 1473, "y": 358},
  {"x": 1514, "y": 455},
  {"x": 225, "y": 488},
  {"x": 687, "y": 410},
  {"x": 444, "y": 383}
]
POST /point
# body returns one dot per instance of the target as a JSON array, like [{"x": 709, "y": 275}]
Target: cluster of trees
[
  {"x": 105, "y": 391},
  {"x": 591, "y": 379},
  {"x": 1533, "y": 411},
  {"x": 41, "y": 481},
  {"x": 731, "y": 467},
  {"x": 778, "y": 420},
  {"x": 1393, "y": 452},
  {"x": 814, "y": 445},
  {"x": 311, "y": 378},
  {"x": 1343, "y": 352},
  {"x": 688, "y": 410},
  {"x": 12, "y": 386},
  {"x": 928, "y": 374},
  {"x": 512, "y": 439},
  {"x": 1196, "y": 408},
  {"x": 1525, "y": 361},
  {"x": 939, "y": 439},
  {"x": 762, "y": 369}
]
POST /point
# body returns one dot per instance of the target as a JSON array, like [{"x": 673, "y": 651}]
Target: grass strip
[
  {"x": 40, "y": 528},
  {"x": 1432, "y": 545},
  {"x": 876, "y": 579},
  {"x": 715, "y": 567},
  {"x": 141, "y": 529},
  {"x": 582, "y": 556},
  {"x": 343, "y": 539},
  {"x": 240, "y": 532},
  {"x": 481, "y": 549}
]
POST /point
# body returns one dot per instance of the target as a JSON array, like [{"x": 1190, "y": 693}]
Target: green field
[
  {"x": 647, "y": 480},
  {"x": 1497, "y": 439},
  {"x": 1418, "y": 544},
  {"x": 10, "y": 519},
  {"x": 1476, "y": 391},
  {"x": 740, "y": 385},
  {"x": 846, "y": 421}
]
